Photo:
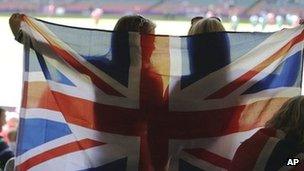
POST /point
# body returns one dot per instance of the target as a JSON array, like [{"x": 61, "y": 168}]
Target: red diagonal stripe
[
  {"x": 82, "y": 69},
  {"x": 250, "y": 150},
  {"x": 209, "y": 157},
  {"x": 59, "y": 151},
  {"x": 223, "y": 92}
]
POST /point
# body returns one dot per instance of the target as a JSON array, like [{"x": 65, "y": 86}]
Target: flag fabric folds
[
  {"x": 268, "y": 149},
  {"x": 102, "y": 100}
]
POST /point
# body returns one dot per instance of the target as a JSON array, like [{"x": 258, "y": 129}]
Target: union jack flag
[{"x": 101, "y": 100}]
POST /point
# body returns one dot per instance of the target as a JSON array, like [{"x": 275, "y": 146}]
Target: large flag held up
[{"x": 97, "y": 99}]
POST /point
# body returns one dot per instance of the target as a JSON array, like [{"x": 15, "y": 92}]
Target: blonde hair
[
  {"x": 135, "y": 23},
  {"x": 206, "y": 25},
  {"x": 290, "y": 118}
]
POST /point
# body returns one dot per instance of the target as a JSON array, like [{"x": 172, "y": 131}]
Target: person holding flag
[{"x": 282, "y": 139}]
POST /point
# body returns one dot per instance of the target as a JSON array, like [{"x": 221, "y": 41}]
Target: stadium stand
[
  {"x": 278, "y": 7},
  {"x": 223, "y": 8},
  {"x": 117, "y": 6}
]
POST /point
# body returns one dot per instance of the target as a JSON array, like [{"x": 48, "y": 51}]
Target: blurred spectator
[
  {"x": 295, "y": 20},
  {"x": 270, "y": 18},
  {"x": 254, "y": 20},
  {"x": 234, "y": 20},
  {"x": 292, "y": 20},
  {"x": 209, "y": 14},
  {"x": 11, "y": 124},
  {"x": 137, "y": 9},
  {"x": 51, "y": 9},
  {"x": 96, "y": 14},
  {"x": 5, "y": 152},
  {"x": 263, "y": 21},
  {"x": 60, "y": 11},
  {"x": 288, "y": 19},
  {"x": 12, "y": 137},
  {"x": 279, "y": 21}
]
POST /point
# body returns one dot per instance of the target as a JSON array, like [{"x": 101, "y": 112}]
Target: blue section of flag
[
  {"x": 284, "y": 76},
  {"x": 207, "y": 53},
  {"x": 57, "y": 76},
  {"x": 185, "y": 166},
  {"x": 115, "y": 63},
  {"x": 117, "y": 165},
  {"x": 36, "y": 132},
  {"x": 51, "y": 73}
]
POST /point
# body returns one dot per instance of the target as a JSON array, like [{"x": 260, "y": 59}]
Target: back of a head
[
  {"x": 290, "y": 118},
  {"x": 135, "y": 23},
  {"x": 2, "y": 118},
  {"x": 206, "y": 25},
  {"x": 206, "y": 50}
]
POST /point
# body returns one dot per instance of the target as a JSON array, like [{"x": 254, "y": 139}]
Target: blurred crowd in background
[
  {"x": 9, "y": 120},
  {"x": 258, "y": 12}
]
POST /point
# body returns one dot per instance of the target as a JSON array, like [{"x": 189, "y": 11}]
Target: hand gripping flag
[{"x": 101, "y": 100}]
